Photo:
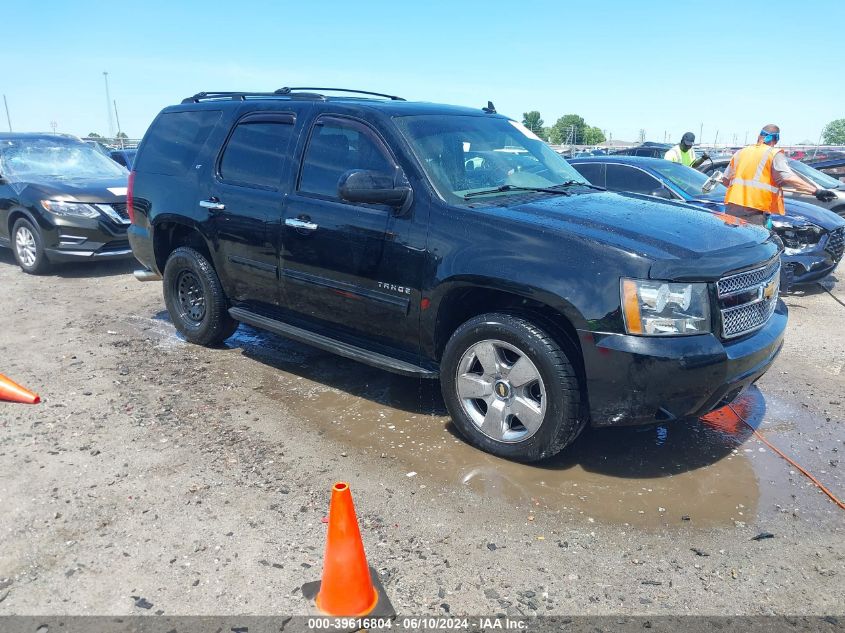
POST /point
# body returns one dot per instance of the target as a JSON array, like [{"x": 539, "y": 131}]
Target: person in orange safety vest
[{"x": 756, "y": 176}]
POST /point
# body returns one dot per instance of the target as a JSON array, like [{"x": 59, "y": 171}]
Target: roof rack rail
[
  {"x": 293, "y": 93},
  {"x": 287, "y": 91}
]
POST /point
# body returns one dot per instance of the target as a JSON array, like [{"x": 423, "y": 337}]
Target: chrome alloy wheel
[
  {"x": 501, "y": 390},
  {"x": 25, "y": 246}
]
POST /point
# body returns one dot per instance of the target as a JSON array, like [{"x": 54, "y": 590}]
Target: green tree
[
  {"x": 121, "y": 135},
  {"x": 533, "y": 122},
  {"x": 568, "y": 129},
  {"x": 593, "y": 136},
  {"x": 834, "y": 133},
  {"x": 94, "y": 135}
]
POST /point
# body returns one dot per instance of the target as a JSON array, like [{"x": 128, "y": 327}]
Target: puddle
[{"x": 706, "y": 470}]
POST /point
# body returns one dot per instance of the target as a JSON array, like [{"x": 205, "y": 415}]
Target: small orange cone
[
  {"x": 349, "y": 587},
  {"x": 13, "y": 392}
]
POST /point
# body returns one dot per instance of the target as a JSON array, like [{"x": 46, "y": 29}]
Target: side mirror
[
  {"x": 714, "y": 179},
  {"x": 664, "y": 193},
  {"x": 372, "y": 187}
]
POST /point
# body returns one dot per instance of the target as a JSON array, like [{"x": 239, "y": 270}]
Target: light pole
[
  {"x": 108, "y": 105},
  {"x": 117, "y": 116}
]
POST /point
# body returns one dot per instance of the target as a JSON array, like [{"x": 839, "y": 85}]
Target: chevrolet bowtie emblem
[{"x": 771, "y": 289}]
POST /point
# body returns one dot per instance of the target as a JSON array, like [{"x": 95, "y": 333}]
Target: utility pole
[
  {"x": 117, "y": 116},
  {"x": 746, "y": 138},
  {"x": 701, "y": 133},
  {"x": 108, "y": 104},
  {"x": 54, "y": 125},
  {"x": 8, "y": 118},
  {"x": 716, "y": 140}
]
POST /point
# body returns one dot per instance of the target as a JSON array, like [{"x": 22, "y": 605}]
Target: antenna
[{"x": 8, "y": 119}]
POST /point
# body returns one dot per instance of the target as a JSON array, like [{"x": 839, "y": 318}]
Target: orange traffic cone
[
  {"x": 13, "y": 392},
  {"x": 349, "y": 587}
]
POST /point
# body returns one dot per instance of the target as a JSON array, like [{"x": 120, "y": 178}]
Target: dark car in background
[
  {"x": 60, "y": 200},
  {"x": 648, "y": 149},
  {"x": 834, "y": 167},
  {"x": 814, "y": 238},
  {"x": 123, "y": 157}
]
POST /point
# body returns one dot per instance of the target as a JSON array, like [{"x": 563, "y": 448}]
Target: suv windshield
[
  {"x": 43, "y": 158},
  {"x": 814, "y": 175},
  {"x": 687, "y": 179},
  {"x": 467, "y": 154}
]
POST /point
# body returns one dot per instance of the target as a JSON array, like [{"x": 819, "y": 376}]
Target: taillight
[{"x": 130, "y": 198}]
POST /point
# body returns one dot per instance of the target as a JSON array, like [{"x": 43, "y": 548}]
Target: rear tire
[
  {"x": 510, "y": 388},
  {"x": 28, "y": 248},
  {"x": 195, "y": 299}
]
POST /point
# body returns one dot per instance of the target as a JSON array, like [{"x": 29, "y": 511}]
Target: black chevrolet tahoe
[{"x": 451, "y": 243}]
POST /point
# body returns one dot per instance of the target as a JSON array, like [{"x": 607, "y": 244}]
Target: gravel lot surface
[{"x": 158, "y": 476}]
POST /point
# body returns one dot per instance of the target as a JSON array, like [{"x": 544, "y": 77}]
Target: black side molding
[{"x": 332, "y": 345}]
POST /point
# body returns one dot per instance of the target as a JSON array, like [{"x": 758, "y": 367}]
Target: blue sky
[{"x": 665, "y": 66}]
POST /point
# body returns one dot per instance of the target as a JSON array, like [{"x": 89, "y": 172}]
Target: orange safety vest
[{"x": 753, "y": 185}]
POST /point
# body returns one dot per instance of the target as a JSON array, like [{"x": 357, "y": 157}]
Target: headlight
[
  {"x": 659, "y": 308},
  {"x": 797, "y": 236},
  {"x": 74, "y": 209}
]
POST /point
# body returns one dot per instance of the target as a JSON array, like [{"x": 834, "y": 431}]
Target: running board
[{"x": 332, "y": 345}]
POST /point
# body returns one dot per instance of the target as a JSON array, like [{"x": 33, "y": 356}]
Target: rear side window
[
  {"x": 173, "y": 142},
  {"x": 256, "y": 151},
  {"x": 337, "y": 146},
  {"x": 593, "y": 172}
]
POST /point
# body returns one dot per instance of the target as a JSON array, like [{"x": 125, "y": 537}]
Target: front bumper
[
  {"x": 69, "y": 239},
  {"x": 633, "y": 380},
  {"x": 817, "y": 261}
]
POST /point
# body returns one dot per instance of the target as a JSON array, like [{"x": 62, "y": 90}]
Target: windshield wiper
[
  {"x": 503, "y": 188},
  {"x": 580, "y": 183}
]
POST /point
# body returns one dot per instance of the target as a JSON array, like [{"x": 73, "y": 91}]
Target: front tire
[
  {"x": 510, "y": 388},
  {"x": 28, "y": 247},
  {"x": 195, "y": 299}
]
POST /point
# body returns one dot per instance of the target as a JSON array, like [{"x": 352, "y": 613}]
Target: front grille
[
  {"x": 759, "y": 297},
  {"x": 836, "y": 243},
  {"x": 116, "y": 212},
  {"x": 120, "y": 209},
  {"x": 747, "y": 280},
  {"x": 115, "y": 245}
]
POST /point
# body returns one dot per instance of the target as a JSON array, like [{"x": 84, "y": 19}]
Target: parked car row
[
  {"x": 437, "y": 242},
  {"x": 813, "y": 237}
]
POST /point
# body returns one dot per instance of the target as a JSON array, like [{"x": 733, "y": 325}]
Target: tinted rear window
[{"x": 174, "y": 140}]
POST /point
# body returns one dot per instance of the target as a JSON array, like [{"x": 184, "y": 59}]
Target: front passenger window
[{"x": 335, "y": 147}]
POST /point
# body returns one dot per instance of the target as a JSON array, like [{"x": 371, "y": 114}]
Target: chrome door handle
[
  {"x": 213, "y": 205},
  {"x": 301, "y": 224}
]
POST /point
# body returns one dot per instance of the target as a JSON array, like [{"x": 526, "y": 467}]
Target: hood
[
  {"x": 795, "y": 210},
  {"x": 76, "y": 190},
  {"x": 817, "y": 215},
  {"x": 690, "y": 243}
]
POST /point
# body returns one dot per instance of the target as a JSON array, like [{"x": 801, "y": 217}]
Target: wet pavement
[{"x": 700, "y": 473}]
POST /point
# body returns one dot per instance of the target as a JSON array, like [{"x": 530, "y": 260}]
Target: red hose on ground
[{"x": 782, "y": 454}]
